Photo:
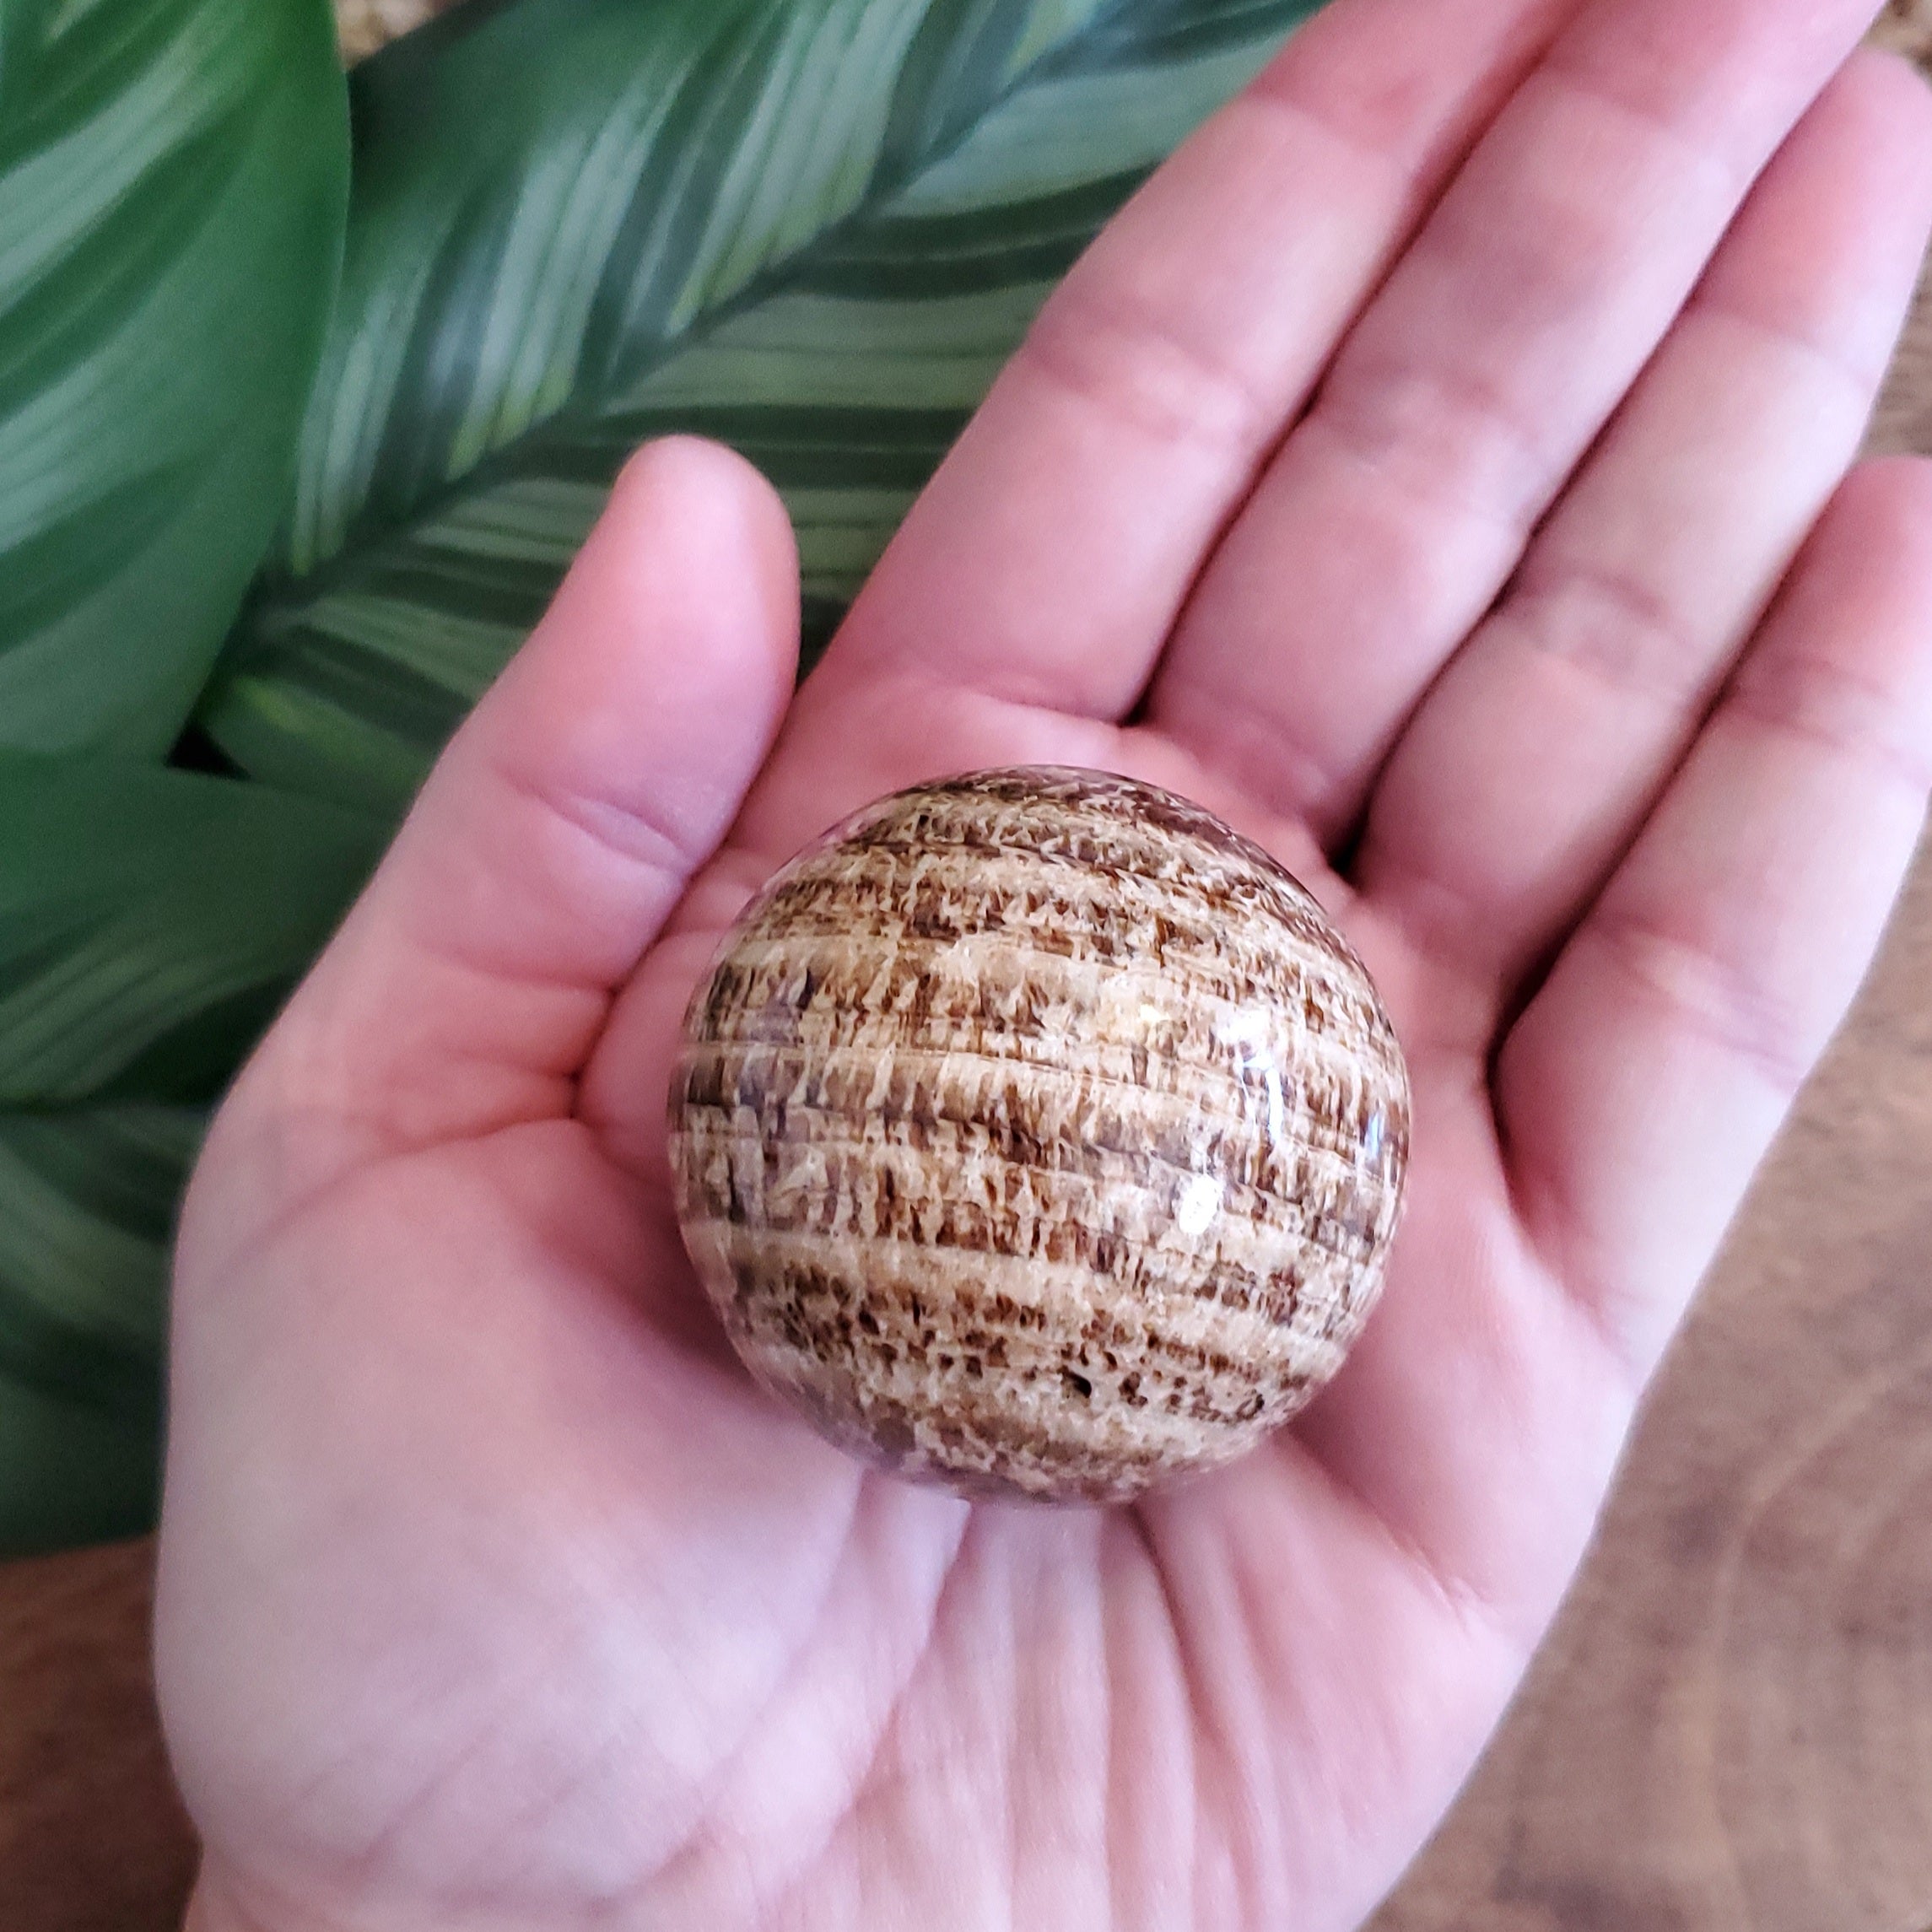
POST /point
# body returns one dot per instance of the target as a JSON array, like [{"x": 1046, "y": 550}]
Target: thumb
[{"x": 468, "y": 985}]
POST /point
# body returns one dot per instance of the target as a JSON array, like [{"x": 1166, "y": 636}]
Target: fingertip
[
  {"x": 722, "y": 496},
  {"x": 687, "y": 498},
  {"x": 671, "y": 648}
]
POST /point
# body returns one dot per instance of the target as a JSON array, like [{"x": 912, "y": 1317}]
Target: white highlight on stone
[{"x": 1200, "y": 1202}]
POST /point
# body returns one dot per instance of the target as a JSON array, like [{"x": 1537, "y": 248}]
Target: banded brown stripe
[
  {"x": 1000, "y": 1161},
  {"x": 967, "y": 1370},
  {"x": 872, "y": 1200},
  {"x": 1147, "y": 1106},
  {"x": 1090, "y": 911}
]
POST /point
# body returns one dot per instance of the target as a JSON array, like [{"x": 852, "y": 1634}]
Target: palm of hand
[{"x": 492, "y": 1592}]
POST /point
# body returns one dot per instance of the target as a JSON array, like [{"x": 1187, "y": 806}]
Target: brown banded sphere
[{"x": 1036, "y": 1134}]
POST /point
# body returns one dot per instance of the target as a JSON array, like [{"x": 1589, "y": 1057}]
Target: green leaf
[
  {"x": 173, "y": 181},
  {"x": 151, "y": 921},
  {"x": 87, "y": 1209},
  {"x": 70, "y": 1474},
  {"x": 812, "y": 228}
]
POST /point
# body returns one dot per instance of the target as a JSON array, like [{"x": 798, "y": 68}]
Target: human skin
[{"x": 1440, "y": 471}]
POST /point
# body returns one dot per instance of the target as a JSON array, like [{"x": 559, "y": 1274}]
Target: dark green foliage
[{"x": 812, "y": 228}]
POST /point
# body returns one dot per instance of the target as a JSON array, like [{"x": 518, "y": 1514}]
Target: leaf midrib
[{"x": 566, "y": 425}]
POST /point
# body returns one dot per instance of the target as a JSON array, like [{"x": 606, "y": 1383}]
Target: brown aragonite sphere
[{"x": 1037, "y": 1135}]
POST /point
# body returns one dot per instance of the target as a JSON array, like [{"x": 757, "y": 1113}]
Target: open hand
[{"x": 1438, "y": 470}]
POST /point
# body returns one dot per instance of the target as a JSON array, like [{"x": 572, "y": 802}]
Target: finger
[
  {"x": 1047, "y": 558},
  {"x": 558, "y": 830},
  {"x": 1536, "y": 754},
  {"x": 1647, "y": 1078},
  {"x": 1475, "y": 382}
]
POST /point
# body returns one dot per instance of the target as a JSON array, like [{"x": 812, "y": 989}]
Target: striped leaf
[
  {"x": 173, "y": 176},
  {"x": 150, "y": 919},
  {"x": 812, "y": 228},
  {"x": 150, "y": 922},
  {"x": 87, "y": 1206}
]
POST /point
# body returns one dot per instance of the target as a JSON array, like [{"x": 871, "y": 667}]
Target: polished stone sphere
[{"x": 1037, "y": 1135}]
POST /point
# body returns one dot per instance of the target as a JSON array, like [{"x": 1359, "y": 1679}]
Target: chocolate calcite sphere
[{"x": 1037, "y": 1135}]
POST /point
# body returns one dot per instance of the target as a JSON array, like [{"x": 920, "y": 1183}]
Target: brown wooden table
[{"x": 1730, "y": 1727}]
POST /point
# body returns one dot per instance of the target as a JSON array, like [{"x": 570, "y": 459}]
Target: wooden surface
[
  {"x": 91, "y": 1838},
  {"x": 1731, "y": 1725}
]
